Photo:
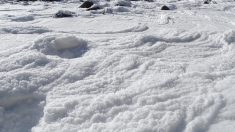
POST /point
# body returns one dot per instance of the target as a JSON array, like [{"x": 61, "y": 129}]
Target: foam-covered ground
[{"x": 121, "y": 69}]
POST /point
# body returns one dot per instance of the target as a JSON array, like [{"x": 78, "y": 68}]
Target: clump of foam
[{"x": 65, "y": 46}]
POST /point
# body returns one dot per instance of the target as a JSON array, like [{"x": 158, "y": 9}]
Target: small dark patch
[
  {"x": 149, "y": 0},
  {"x": 86, "y": 4},
  {"x": 206, "y": 2},
  {"x": 209, "y": 2},
  {"x": 61, "y": 14},
  {"x": 165, "y": 8}
]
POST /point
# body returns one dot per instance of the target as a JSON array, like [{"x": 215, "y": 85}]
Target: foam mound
[{"x": 65, "y": 46}]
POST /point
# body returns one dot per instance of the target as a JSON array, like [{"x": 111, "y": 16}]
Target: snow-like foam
[
  {"x": 229, "y": 37},
  {"x": 23, "y": 76},
  {"x": 23, "y": 18},
  {"x": 151, "y": 40},
  {"x": 24, "y": 30},
  {"x": 138, "y": 28},
  {"x": 122, "y": 3},
  {"x": 143, "y": 71},
  {"x": 66, "y": 47},
  {"x": 134, "y": 92},
  {"x": 120, "y": 9}
]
